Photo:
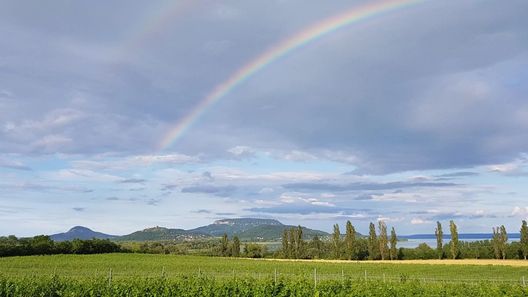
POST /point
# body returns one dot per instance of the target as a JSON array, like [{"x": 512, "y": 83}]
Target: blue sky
[{"x": 410, "y": 117}]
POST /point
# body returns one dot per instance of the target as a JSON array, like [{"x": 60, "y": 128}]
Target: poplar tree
[
  {"x": 524, "y": 239},
  {"x": 299, "y": 242},
  {"x": 383, "y": 240},
  {"x": 224, "y": 246},
  {"x": 372, "y": 243},
  {"x": 393, "y": 241},
  {"x": 291, "y": 249},
  {"x": 503, "y": 235},
  {"x": 235, "y": 247},
  {"x": 285, "y": 245},
  {"x": 495, "y": 243},
  {"x": 350, "y": 241},
  {"x": 336, "y": 242},
  {"x": 454, "y": 245},
  {"x": 439, "y": 240}
]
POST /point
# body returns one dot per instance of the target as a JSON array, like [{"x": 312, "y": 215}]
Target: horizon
[
  {"x": 447, "y": 233},
  {"x": 122, "y": 115}
]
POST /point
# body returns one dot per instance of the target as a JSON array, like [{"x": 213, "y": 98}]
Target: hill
[
  {"x": 247, "y": 229},
  {"x": 161, "y": 233},
  {"x": 80, "y": 232},
  {"x": 234, "y": 226}
]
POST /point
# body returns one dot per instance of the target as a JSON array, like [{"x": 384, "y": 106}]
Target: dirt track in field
[{"x": 516, "y": 263}]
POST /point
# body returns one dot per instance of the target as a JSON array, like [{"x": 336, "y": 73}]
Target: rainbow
[{"x": 296, "y": 41}]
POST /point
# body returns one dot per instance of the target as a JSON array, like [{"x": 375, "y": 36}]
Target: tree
[
  {"x": 235, "y": 247},
  {"x": 350, "y": 241},
  {"x": 503, "y": 236},
  {"x": 383, "y": 240},
  {"x": 316, "y": 248},
  {"x": 524, "y": 239},
  {"x": 224, "y": 246},
  {"x": 336, "y": 242},
  {"x": 285, "y": 246},
  {"x": 454, "y": 246},
  {"x": 439, "y": 240},
  {"x": 372, "y": 243},
  {"x": 300, "y": 250},
  {"x": 253, "y": 250},
  {"x": 495, "y": 243},
  {"x": 291, "y": 235},
  {"x": 393, "y": 241}
]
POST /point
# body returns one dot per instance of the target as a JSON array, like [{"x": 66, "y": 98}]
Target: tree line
[
  {"x": 43, "y": 245},
  {"x": 379, "y": 245}
]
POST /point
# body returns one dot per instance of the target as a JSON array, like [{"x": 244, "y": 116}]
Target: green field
[{"x": 117, "y": 274}]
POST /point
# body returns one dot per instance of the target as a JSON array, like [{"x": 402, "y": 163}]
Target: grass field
[
  {"x": 143, "y": 265},
  {"x": 168, "y": 275}
]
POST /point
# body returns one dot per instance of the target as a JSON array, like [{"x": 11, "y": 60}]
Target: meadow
[{"x": 170, "y": 275}]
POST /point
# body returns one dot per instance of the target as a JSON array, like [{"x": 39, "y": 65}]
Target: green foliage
[
  {"x": 454, "y": 248},
  {"x": 439, "y": 240},
  {"x": 524, "y": 239},
  {"x": 373, "y": 245},
  {"x": 393, "y": 253},
  {"x": 253, "y": 250},
  {"x": 336, "y": 242},
  {"x": 43, "y": 245},
  {"x": 350, "y": 242},
  {"x": 383, "y": 240}
]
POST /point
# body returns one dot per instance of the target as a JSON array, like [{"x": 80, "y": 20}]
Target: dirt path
[{"x": 516, "y": 263}]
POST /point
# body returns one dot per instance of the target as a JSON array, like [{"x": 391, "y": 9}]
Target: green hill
[{"x": 161, "y": 233}]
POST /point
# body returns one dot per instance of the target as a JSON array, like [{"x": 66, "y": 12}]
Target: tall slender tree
[
  {"x": 503, "y": 235},
  {"x": 372, "y": 243},
  {"x": 317, "y": 245},
  {"x": 336, "y": 242},
  {"x": 350, "y": 241},
  {"x": 454, "y": 245},
  {"x": 393, "y": 241},
  {"x": 224, "y": 246},
  {"x": 235, "y": 247},
  {"x": 383, "y": 240},
  {"x": 285, "y": 244},
  {"x": 439, "y": 240},
  {"x": 524, "y": 239},
  {"x": 495, "y": 243},
  {"x": 291, "y": 235},
  {"x": 300, "y": 242}
]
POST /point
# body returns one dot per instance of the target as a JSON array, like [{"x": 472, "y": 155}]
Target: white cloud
[
  {"x": 520, "y": 211},
  {"x": 242, "y": 151},
  {"x": 419, "y": 221}
]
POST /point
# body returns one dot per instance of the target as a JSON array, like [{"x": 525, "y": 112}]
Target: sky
[{"x": 412, "y": 115}]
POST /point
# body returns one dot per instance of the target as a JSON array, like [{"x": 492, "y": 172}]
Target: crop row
[{"x": 209, "y": 286}]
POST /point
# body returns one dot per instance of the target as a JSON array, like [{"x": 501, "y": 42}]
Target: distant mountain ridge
[
  {"x": 80, "y": 232},
  {"x": 247, "y": 229}
]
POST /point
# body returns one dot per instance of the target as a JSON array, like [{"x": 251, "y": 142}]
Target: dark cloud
[
  {"x": 363, "y": 186},
  {"x": 458, "y": 174},
  {"x": 201, "y": 211},
  {"x": 133, "y": 181},
  {"x": 397, "y": 96},
  {"x": 222, "y": 191},
  {"x": 304, "y": 209},
  {"x": 225, "y": 214}
]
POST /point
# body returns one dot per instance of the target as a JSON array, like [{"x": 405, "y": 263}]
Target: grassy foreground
[{"x": 169, "y": 275}]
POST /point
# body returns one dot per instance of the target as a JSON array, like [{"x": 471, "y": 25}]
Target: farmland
[{"x": 167, "y": 275}]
